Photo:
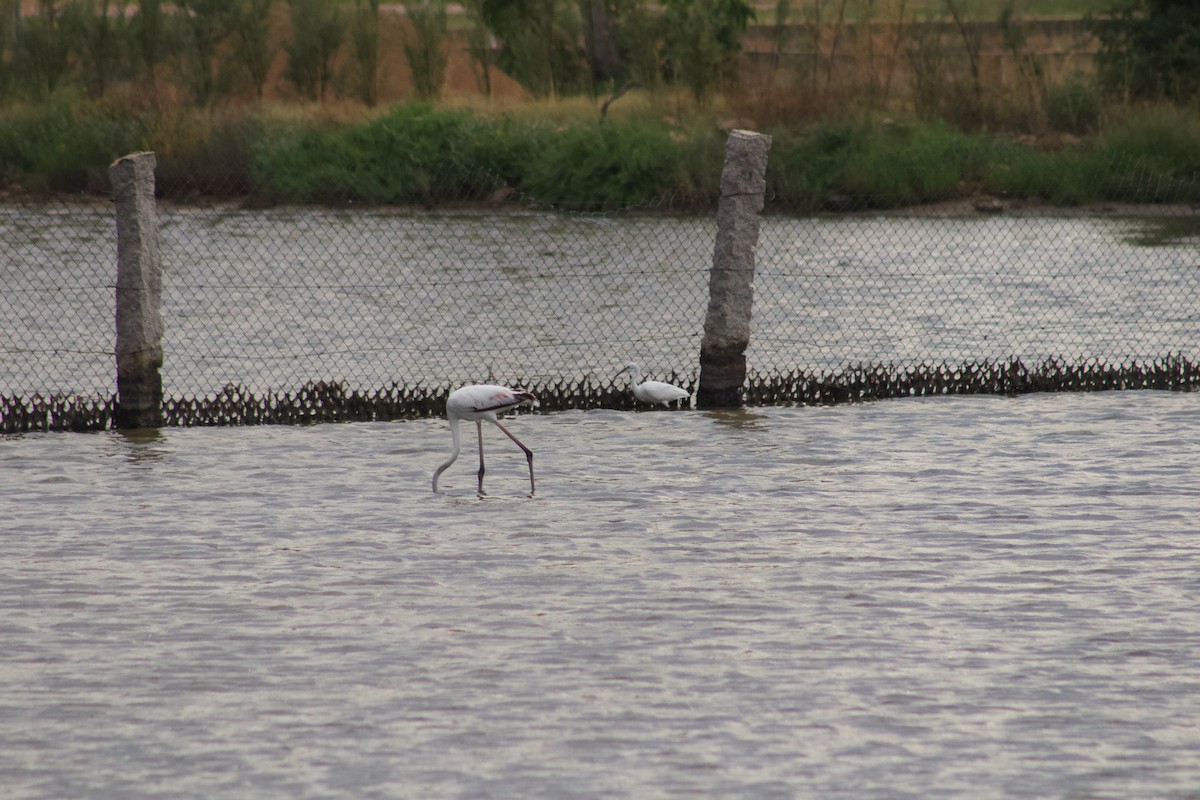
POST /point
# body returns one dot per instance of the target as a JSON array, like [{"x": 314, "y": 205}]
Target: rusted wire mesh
[{"x": 311, "y": 314}]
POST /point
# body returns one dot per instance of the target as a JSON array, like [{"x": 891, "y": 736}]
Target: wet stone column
[
  {"x": 731, "y": 280},
  {"x": 139, "y": 293}
]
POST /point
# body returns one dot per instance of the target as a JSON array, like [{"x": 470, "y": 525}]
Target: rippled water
[
  {"x": 276, "y": 299},
  {"x": 956, "y": 597}
]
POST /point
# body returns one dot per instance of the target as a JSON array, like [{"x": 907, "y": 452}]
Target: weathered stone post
[
  {"x": 139, "y": 293},
  {"x": 731, "y": 280}
]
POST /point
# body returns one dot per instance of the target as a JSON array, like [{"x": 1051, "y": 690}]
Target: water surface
[
  {"x": 983, "y": 597},
  {"x": 272, "y": 300}
]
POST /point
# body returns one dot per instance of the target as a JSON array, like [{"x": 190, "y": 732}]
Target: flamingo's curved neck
[{"x": 454, "y": 435}]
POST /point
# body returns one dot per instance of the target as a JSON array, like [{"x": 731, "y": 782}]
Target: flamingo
[
  {"x": 477, "y": 403},
  {"x": 652, "y": 391}
]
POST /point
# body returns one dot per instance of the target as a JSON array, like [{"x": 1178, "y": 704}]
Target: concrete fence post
[
  {"x": 731, "y": 280},
  {"x": 139, "y": 293}
]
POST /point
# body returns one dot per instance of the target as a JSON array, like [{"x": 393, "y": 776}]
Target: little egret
[
  {"x": 652, "y": 391},
  {"x": 477, "y": 403}
]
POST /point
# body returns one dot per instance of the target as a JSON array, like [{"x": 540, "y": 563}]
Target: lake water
[
  {"x": 976, "y": 597},
  {"x": 271, "y": 300}
]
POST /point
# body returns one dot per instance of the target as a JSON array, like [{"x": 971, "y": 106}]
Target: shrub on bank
[
  {"x": 901, "y": 165},
  {"x": 421, "y": 154},
  {"x": 804, "y": 166},
  {"x": 417, "y": 154},
  {"x": 606, "y": 166},
  {"x": 205, "y": 155},
  {"x": 412, "y": 154},
  {"x": 1153, "y": 157},
  {"x": 1061, "y": 178},
  {"x": 64, "y": 144},
  {"x": 860, "y": 166}
]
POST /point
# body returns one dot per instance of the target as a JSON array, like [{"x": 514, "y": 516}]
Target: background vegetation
[{"x": 602, "y": 103}]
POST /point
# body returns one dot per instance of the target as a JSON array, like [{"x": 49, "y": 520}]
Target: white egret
[
  {"x": 477, "y": 403},
  {"x": 652, "y": 391}
]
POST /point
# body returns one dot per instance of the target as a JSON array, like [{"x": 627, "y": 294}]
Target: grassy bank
[{"x": 563, "y": 156}]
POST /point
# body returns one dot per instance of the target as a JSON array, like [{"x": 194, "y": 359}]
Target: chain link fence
[{"x": 307, "y": 314}]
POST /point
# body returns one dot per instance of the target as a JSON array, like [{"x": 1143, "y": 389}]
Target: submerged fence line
[
  {"x": 309, "y": 315},
  {"x": 881, "y": 382}
]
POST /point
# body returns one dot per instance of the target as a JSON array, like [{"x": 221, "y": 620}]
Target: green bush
[
  {"x": 884, "y": 166},
  {"x": 804, "y": 167},
  {"x": 412, "y": 154},
  {"x": 1151, "y": 158},
  {"x": 1168, "y": 138},
  {"x": 1061, "y": 178},
  {"x": 606, "y": 166},
  {"x": 701, "y": 157},
  {"x": 418, "y": 154},
  {"x": 65, "y": 144},
  {"x": 199, "y": 154},
  {"x": 906, "y": 166}
]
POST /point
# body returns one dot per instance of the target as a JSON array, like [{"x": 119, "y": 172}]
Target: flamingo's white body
[
  {"x": 476, "y": 403},
  {"x": 652, "y": 391}
]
